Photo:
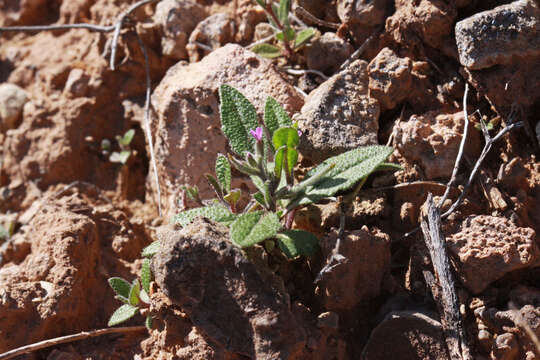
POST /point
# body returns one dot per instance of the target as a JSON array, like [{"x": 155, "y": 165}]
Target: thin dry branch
[
  {"x": 303, "y": 13},
  {"x": 461, "y": 148},
  {"x": 447, "y": 300},
  {"x": 66, "y": 339},
  {"x": 358, "y": 52}
]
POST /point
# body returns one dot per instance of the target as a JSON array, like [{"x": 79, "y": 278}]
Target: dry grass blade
[{"x": 66, "y": 339}]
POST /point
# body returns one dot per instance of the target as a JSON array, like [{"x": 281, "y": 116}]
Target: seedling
[
  {"x": 123, "y": 142},
  {"x": 266, "y": 151},
  {"x": 6, "y": 230},
  {"x": 135, "y": 296},
  {"x": 289, "y": 40}
]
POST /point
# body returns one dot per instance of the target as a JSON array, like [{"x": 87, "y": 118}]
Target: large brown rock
[
  {"x": 339, "y": 115},
  {"x": 188, "y": 129},
  {"x": 489, "y": 247},
  {"x": 235, "y": 303}
]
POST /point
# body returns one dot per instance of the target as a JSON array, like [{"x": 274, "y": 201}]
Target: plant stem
[{"x": 289, "y": 53}]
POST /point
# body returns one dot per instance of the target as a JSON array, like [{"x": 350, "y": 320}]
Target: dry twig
[
  {"x": 303, "y": 13},
  {"x": 358, "y": 52},
  {"x": 447, "y": 301},
  {"x": 66, "y": 339}
]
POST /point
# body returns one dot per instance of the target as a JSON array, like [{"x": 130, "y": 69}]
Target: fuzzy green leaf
[
  {"x": 151, "y": 249},
  {"x": 252, "y": 228},
  {"x": 302, "y": 37},
  {"x": 123, "y": 313},
  {"x": 275, "y": 116},
  {"x": 287, "y": 136},
  {"x": 238, "y": 116},
  {"x": 297, "y": 242},
  {"x": 267, "y": 51},
  {"x": 223, "y": 173},
  {"x": 134, "y": 293},
  {"x": 292, "y": 158},
  {"x": 286, "y": 35},
  {"x": 120, "y": 286},
  {"x": 146, "y": 275},
  {"x": 349, "y": 168},
  {"x": 283, "y": 12},
  {"x": 233, "y": 196},
  {"x": 214, "y": 184},
  {"x": 217, "y": 213},
  {"x": 144, "y": 297},
  {"x": 127, "y": 138},
  {"x": 389, "y": 166}
]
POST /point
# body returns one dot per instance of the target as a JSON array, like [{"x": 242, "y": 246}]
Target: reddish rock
[
  {"x": 213, "y": 32},
  {"x": 188, "y": 129},
  {"x": 365, "y": 12},
  {"x": 390, "y": 78},
  {"x": 77, "y": 240},
  {"x": 430, "y": 21},
  {"x": 23, "y": 12},
  {"x": 360, "y": 277},
  {"x": 12, "y": 100},
  {"x": 488, "y": 247},
  {"x": 329, "y": 43},
  {"x": 432, "y": 141}
]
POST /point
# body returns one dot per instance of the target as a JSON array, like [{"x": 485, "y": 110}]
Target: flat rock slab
[
  {"x": 228, "y": 298},
  {"x": 496, "y": 36}
]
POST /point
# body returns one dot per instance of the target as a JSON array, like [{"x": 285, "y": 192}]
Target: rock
[
  {"x": 23, "y": 12},
  {"x": 262, "y": 31},
  {"x": 339, "y": 115},
  {"x": 430, "y": 21},
  {"x": 359, "y": 279},
  {"x": 497, "y": 36},
  {"x": 406, "y": 335},
  {"x": 177, "y": 18},
  {"x": 365, "y": 12},
  {"x": 77, "y": 83},
  {"x": 432, "y": 141},
  {"x": 505, "y": 347},
  {"x": 329, "y": 43},
  {"x": 390, "y": 78},
  {"x": 232, "y": 301},
  {"x": 248, "y": 15},
  {"x": 214, "y": 32},
  {"x": 489, "y": 247},
  {"x": 186, "y": 103},
  {"x": 12, "y": 100},
  {"x": 77, "y": 240}
]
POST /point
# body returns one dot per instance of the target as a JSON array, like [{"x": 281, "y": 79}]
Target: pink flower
[{"x": 257, "y": 133}]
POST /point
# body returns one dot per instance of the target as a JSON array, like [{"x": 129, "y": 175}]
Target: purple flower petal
[{"x": 257, "y": 133}]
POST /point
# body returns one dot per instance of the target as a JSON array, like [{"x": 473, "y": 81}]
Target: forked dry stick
[
  {"x": 117, "y": 27},
  {"x": 67, "y": 339}
]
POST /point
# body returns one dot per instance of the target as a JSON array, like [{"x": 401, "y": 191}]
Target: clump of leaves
[
  {"x": 289, "y": 40},
  {"x": 134, "y": 295},
  {"x": 266, "y": 151},
  {"x": 123, "y": 143}
]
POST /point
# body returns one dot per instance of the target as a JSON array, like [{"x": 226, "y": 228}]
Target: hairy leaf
[
  {"x": 134, "y": 293},
  {"x": 297, "y": 242},
  {"x": 288, "y": 154},
  {"x": 120, "y": 157},
  {"x": 285, "y": 136},
  {"x": 214, "y": 184},
  {"x": 238, "y": 116},
  {"x": 389, "y": 166},
  {"x": 223, "y": 173},
  {"x": 267, "y": 51},
  {"x": 217, "y": 213},
  {"x": 120, "y": 286},
  {"x": 275, "y": 116},
  {"x": 252, "y": 228},
  {"x": 283, "y": 12},
  {"x": 148, "y": 322},
  {"x": 348, "y": 169},
  {"x": 151, "y": 249},
  {"x": 145, "y": 298},
  {"x": 123, "y": 313},
  {"x": 127, "y": 138},
  {"x": 302, "y": 37},
  {"x": 146, "y": 275},
  {"x": 286, "y": 35}
]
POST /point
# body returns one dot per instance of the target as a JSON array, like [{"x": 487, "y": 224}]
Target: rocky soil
[{"x": 71, "y": 218}]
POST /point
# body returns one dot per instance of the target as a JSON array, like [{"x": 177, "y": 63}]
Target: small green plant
[
  {"x": 266, "y": 151},
  {"x": 135, "y": 296},
  {"x": 6, "y": 230},
  {"x": 289, "y": 40},
  {"x": 123, "y": 143}
]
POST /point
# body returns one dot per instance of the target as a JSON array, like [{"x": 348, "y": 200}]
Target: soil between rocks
[{"x": 76, "y": 218}]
